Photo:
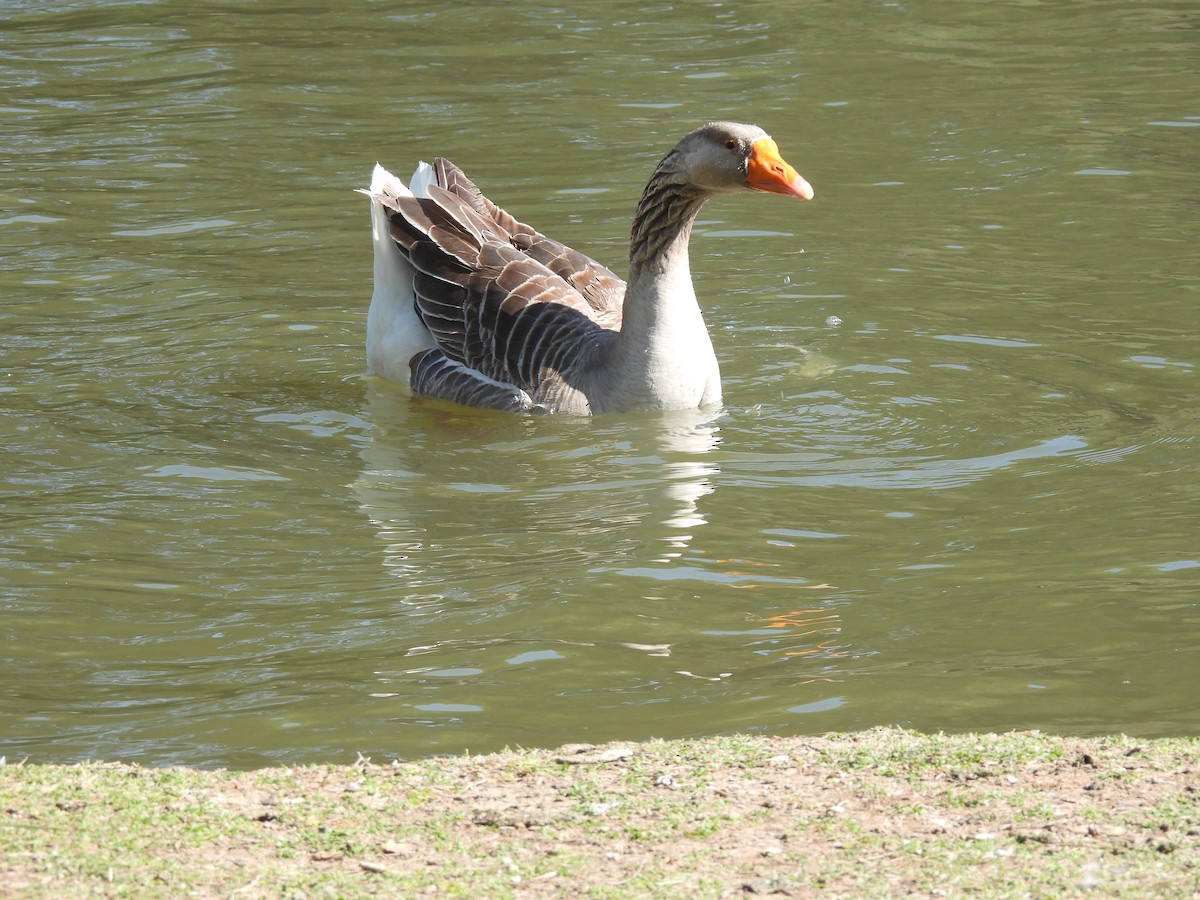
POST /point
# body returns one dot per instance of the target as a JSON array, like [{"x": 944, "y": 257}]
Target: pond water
[{"x": 954, "y": 485}]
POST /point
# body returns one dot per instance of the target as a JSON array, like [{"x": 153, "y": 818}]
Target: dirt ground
[{"x": 879, "y": 813}]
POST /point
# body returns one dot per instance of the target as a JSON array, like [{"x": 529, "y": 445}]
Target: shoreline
[{"x": 872, "y": 813}]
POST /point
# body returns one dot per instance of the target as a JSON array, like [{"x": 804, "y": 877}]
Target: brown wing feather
[
  {"x": 490, "y": 303},
  {"x": 603, "y": 290}
]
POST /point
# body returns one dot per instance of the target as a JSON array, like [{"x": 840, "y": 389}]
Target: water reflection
[
  {"x": 558, "y": 574},
  {"x": 466, "y": 494}
]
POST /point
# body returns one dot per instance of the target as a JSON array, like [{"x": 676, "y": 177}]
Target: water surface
[{"x": 953, "y": 485}]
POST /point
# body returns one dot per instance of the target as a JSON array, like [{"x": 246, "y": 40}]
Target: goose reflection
[{"x": 471, "y": 505}]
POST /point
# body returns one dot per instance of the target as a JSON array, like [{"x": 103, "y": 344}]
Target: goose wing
[
  {"x": 603, "y": 290},
  {"x": 512, "y": 312}
]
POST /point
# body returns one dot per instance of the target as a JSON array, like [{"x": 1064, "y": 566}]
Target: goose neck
[{"x": 662, "y": 226}]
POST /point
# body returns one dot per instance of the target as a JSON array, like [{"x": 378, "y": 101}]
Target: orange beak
[{"x": 766, "y": 171}]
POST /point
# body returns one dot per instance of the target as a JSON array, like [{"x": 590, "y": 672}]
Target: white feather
[{"x": 395, "y": 334}]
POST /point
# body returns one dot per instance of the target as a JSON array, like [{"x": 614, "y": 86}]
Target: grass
[{"x": 875, "y": 813}]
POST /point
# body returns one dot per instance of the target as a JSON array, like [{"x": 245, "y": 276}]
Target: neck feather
[
  {"x": 662, "y": 357},
  {"x": 662, "y": 223}
]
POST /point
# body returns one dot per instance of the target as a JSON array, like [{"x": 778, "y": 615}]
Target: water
[{"x": 972, "y": 504}]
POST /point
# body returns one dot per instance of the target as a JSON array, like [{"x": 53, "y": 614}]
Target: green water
[{"x": 968, "y": 501}]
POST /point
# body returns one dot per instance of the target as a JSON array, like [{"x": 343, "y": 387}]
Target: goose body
[{"x": 472, "y": 306}]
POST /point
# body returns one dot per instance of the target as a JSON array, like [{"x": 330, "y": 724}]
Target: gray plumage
[{"x": 515, "y": 320}]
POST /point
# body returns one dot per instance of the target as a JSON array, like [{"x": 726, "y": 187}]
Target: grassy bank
[{"x": 869, "y": 814}]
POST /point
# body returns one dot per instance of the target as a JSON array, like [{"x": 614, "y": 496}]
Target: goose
[{"x": 470, "y": 305}]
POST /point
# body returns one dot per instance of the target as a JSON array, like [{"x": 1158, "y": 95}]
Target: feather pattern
[{"x": 511, "y": 319}]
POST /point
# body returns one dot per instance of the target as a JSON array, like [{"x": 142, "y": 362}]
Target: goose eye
[{"x": 731, "y": 144}]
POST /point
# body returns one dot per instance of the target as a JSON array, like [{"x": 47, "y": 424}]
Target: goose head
[{"x": 727, "y": 157}]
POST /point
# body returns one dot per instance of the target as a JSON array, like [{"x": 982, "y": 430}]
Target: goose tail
[{"x": 395, "y": 333}]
